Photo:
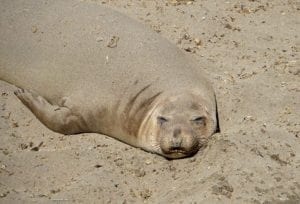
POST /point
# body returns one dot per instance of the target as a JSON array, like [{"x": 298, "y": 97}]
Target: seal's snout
[
  {"x": 177, "y": 132},
  {"x": 176, "y": 140}
]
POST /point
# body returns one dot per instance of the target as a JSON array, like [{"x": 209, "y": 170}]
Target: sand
[{"x": 251, "y": 49}]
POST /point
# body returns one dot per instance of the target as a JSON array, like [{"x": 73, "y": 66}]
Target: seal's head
[{"x": 180, "y": 125}]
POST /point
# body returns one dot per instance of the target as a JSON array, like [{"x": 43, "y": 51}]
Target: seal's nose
[
  {"x": 177, "y": 139},
  {"x": 177, "y": 132}
]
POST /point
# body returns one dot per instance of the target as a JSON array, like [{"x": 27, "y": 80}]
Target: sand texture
[{"x": 251, "y": 49}]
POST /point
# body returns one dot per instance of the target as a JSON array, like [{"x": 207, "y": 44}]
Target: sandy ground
[{"x": 251, "y": 48}]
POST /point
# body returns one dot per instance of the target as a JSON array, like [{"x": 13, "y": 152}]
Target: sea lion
[{"x": 82, "y": 67}]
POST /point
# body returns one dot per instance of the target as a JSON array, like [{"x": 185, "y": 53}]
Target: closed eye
[
  {"x": 161, "y": 120},
  {"x": 199, "y": 120}
]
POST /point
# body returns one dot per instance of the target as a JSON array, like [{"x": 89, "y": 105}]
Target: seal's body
[{"x": 92, "y": 69}]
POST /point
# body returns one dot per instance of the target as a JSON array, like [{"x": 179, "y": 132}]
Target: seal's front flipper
[{"x": 57, "y": 118}]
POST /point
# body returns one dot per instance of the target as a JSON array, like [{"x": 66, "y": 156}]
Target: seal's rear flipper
[{"x": 57, "y": 118}]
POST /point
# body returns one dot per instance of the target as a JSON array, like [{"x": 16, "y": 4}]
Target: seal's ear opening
[{"x": 218, "y": 130}]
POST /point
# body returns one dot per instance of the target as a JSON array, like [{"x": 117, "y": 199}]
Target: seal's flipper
[{"x": 57, "y": 118}]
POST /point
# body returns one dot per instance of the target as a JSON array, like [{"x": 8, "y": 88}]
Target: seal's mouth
[
  {"x": 172, "y": 150},
  {"x": 177, "y": 151}
]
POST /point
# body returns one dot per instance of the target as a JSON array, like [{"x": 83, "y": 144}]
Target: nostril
[
  {"x": 177, "y": 132},
  {"x": 176, "y": 143}
]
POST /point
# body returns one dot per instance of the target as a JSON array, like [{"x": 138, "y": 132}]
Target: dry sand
[{"x": 251, "y": 48}]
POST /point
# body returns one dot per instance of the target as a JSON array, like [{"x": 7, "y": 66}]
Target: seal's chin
[{"x": 178, "y": 153}]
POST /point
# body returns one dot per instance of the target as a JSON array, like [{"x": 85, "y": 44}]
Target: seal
[{"x": 82, "y": 67}]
